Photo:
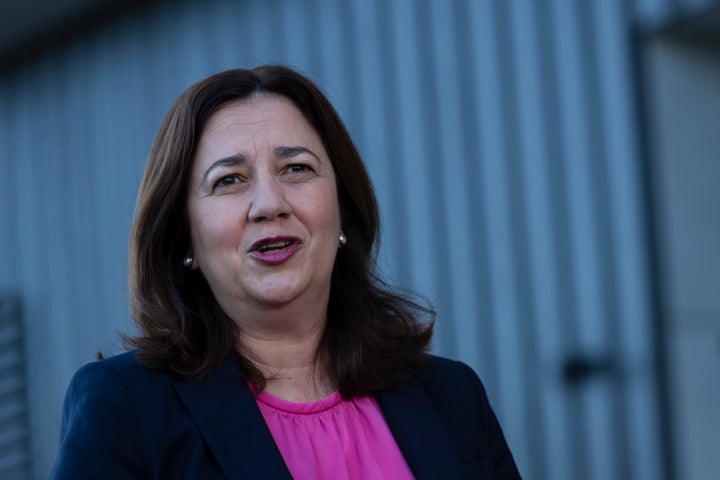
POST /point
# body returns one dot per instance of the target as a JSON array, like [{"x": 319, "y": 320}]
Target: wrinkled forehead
[{"x": 260, "y": 123}]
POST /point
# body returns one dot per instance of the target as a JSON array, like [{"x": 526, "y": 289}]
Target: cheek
[
  {"x": 208, "y": 231},
  {"x": 328, "y": 214},
  {"x": 330, "y": 204}
]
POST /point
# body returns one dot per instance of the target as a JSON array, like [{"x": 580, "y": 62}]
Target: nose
[{"x": 268, "y": 200}]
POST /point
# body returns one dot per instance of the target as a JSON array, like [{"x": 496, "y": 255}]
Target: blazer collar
[
  {"x": 244, "y": 447},
  {"x": 229, "y": 419},
  {"x": 417, "y": 429}
]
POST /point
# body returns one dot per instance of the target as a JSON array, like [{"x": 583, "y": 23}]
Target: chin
[
  {"x": 278, "y": 295},
  {"x": 275, "y": 300}
]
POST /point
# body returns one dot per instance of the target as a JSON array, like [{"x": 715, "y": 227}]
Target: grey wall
[
  {"x": 502, "y": 140},
  {"x": 685, "y": 79}
]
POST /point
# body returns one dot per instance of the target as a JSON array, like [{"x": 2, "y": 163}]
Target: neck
[{"x": 286, "y": 351}]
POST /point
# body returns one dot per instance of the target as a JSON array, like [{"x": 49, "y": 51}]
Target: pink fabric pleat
[{"x": 334, "y": 438}]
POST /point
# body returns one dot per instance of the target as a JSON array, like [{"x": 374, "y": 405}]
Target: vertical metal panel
[
  {"x": 450, "y": 159},
  {"x": 543, "y": 331},
  {"x": 655, "y": 15},
  {"x": 501, "y": 140},
  {"x": 475, "y": 339},
  {"x": 376, "y": 138},
  {"x": 414, "y": 175},
  {"x": 691, "y": 6},
  {"x": 505, "y": 222},
  {"x": 576, "y": 153},
  {"x": 554, "y": 282},
  {"x": 15, "y": 458},
  {"x": 492, "y": 200},
  {"x": 685, "y": 174},
  {"x": 34, "y": 245},
  {"x": 378, "y": 144},
  {"x": 654, "y": 12},
  {"x": 435, "y": 161},
  {"x": 634, "y": 323},
  {"x": 8, "y": 234}
]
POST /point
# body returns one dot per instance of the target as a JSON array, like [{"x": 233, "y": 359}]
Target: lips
[
  {"x": 274, "y": 250},
  {"x": 270, "y": 246}
]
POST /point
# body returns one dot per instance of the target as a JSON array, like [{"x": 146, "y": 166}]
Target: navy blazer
[{"x": 123, "y": 421}]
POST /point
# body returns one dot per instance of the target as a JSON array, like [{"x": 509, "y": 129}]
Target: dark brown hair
[{"x": 375, "y": 338}]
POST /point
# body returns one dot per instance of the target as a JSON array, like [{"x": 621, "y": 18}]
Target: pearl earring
[
  {"x": 342, "y": 239},
  {"x": 188, "y": 261}
]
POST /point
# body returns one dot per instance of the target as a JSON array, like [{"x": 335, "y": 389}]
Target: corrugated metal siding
[
  {"x": 655, "y": 15},
  {"x": 15, "y": 459},
  {"x": 502, "y": 141}
]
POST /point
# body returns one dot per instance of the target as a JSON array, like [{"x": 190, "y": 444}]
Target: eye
[
  {"x": 299, "y": 168},
  {"x": 226, "y": 181},
  {"x": 298, "y": 172}
]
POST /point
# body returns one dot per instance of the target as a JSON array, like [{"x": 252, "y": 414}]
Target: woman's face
[{"x": 263, "y": 207}]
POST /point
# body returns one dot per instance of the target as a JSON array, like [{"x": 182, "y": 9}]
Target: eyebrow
[
  {"x": 239, "y": 159},
  {"x": 231, "y": 161},
  {"x": 288, "y": 152}
]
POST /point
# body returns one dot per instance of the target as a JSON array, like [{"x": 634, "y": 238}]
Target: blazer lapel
[
  {"x": 419, "y": 433},
  {"x": 227, "y": 415}
]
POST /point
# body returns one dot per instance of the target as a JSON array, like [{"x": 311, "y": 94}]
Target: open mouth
[
  {"x": 273, "y": 246},
  {"x": 275, "y": 250}
]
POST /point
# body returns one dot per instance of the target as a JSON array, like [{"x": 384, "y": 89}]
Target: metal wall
[
  {"x": 686, "y": 146},
  {"x": 15, "y": 458},
  {"x": 656, "y": 15},
  {"x": 502, "y": 140}
]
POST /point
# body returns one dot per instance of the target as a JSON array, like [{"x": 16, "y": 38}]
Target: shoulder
[
  {"x": 121, "y": 364},
  {"x": 453, "y": 387},
  {"x": 461, "y": 403},
  {"x": 102, "y": 367},
  {"x": 111, "y": 386},
  {"x": 124, "y": 364},
  {"x": 99, "y": 423},
  {"x": 115, "y": 385},
  {"x": 450, "y": 376},
  {"x": 436, "y": 365},
  {"x": 112, "y": 376},
  {"x": 102, "y": 377}
]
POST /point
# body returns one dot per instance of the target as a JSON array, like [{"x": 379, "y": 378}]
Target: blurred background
[{"x": 547, "y": 170}]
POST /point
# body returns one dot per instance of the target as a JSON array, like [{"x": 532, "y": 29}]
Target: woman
[{"x": 267, "y": 347}]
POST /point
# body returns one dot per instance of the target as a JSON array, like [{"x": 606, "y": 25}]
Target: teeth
[{"x": 274, "y": 246}]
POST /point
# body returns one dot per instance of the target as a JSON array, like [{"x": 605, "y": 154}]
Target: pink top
[{"x": 334, "y": 438}]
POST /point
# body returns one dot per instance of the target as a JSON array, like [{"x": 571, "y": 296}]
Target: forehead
[
  {"x": 259, "y": 117},
  {"x": 254, "y": 128},
  {"x": 251, "y": 126}
]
